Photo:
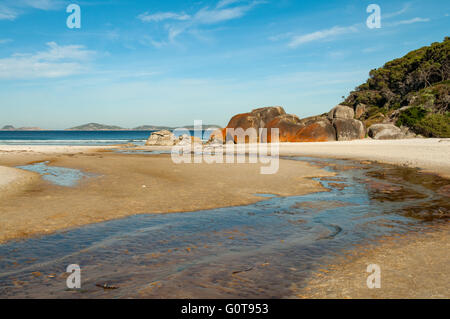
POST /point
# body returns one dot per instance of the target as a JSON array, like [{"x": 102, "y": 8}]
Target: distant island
[
  {"x": 95, "y": 127},
  {"x": 12, "y": 128},
  {"x": 189, "y": 127},
  {"x": 151, "y": 128},
  {"x": 103, "y": 127}
]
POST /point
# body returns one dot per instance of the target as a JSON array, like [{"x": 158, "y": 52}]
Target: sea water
[{"x": 78, "y": 138}]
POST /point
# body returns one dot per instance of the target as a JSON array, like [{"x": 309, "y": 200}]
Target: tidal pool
[
  {"x": 254, "y": 251},
  {"x": 60, "y": 176}
]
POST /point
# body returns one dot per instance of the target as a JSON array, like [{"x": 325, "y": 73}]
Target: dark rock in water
[
  {"x": 385, "y": 132},
  {"x": 8, "y": 127},
  {"x": 106, "y": 286},
  {"x": 349, "y": 129}
]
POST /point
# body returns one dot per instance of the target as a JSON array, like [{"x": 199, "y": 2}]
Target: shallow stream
[{"x": 261, "y": 250}]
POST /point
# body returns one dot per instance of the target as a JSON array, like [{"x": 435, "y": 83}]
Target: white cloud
[
  {"x": 320, "y": 35},
  {"x": 3, "y": 41},
  {"x": 7, "y": 13},
  {"x": 226, "y": 3},
  {"x": 224, "y": 10},
  {"x": 161, "y": 16},
  {"x": 280, "y": 37},
  {"x": 40, "y": 4},
  {"x": 410, "y": 21},
  {"x": 57, "y": 61},
  {"x": 397, "y": 13},
  {"x": 11, "y": 9},
  {"x": 222, "y": 13},
  {"x": 146, "y": 40},
  {"x": 371, "y": 49}
]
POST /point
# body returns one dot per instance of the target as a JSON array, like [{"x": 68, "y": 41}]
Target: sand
[
  {"x": 135, "y": 184},
  {"x": 124, "y": 185},
  {"x": 412, "y": 266},
  {"x": 430, "y": 155},
  {"x": 415, "y": 266},
  {"x": 13, "y": 180},
  {"x": 49, "y": 149},
  {"x": 8, "y": 175}
]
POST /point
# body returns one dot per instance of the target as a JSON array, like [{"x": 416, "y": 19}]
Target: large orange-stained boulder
[
  {"x": 338, "y": 124},
  {"x": 291, "y": 128},
  {"x": 288, "y": 126},
  {"x": 266, "y": 114},
  {"x": 257, "y": 119},
  {"x": 244, "y": 121},
  {"x": 320, "y": 131}
]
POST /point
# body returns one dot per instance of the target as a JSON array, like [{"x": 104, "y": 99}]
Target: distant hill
[
  {"x": 205, "y": 126},
  {"x": 102, "y": 127},
  {"x": 412, "y": 91},
  {"x": 151, "y": 128},
  {"x": 189, "y": 127},
  {"x": 12, "y": 128},
  {"x": 95, "y": 127}
]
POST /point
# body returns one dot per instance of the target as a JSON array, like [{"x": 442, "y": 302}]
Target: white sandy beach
[
  {"x": 430, "y": 155},
  {"x": 50, "y": 149},
  {"x": 140, "y": 184},
  {"x": 8, "y": 175},
  {"x": 13, "y": 179}
]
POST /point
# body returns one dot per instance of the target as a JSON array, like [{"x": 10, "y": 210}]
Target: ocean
[{"x": 77, "y": 138}]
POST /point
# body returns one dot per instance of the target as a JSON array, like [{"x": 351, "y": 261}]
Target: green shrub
[
  {"x": 411, "y": 116},
  {"x": 434, "y": 125}
]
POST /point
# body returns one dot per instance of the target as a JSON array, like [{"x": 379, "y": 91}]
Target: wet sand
[
  {"x": 412, "y": 266},
  {"x": 123, "y": 185}
]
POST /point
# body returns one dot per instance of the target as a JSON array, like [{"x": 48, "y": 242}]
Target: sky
[{"x": 136, "y": 62}]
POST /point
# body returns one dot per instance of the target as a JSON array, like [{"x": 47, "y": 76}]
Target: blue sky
[{"x": 172, "y": 62}]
